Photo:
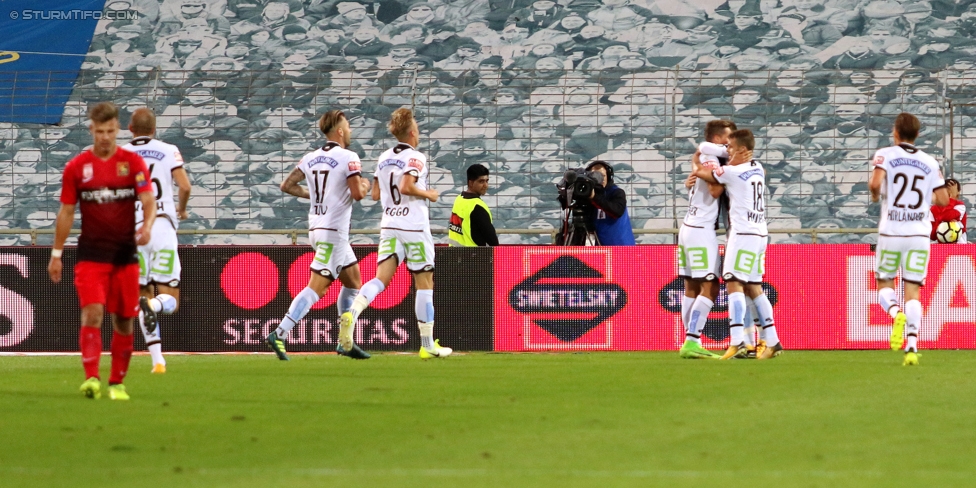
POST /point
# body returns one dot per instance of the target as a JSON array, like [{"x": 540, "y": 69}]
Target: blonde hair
[{"x": 401, "y": 122}]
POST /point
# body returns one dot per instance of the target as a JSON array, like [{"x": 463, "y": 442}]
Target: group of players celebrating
[
  {"x": 128, "y": 263},
  {"x": 906, "y": 180}
]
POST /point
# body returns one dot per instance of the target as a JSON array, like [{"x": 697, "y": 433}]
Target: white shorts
[
  {"x": 159, "y": 261},
  {"x": 415, "y": 248},
  {"x": 698, "y": 254},
  {"x": 908, "y": 254},
  {"x": 332, "y": 253},
  {"x": 745, "y": 258}
]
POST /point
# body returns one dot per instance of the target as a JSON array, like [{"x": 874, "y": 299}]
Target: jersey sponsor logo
[
  {"x": 108, "y": 195},
  {"x": 178, "y": 157},
  {"x": 122, "y": 169},
  {"x": 749, "y": 174},
  {"x": 87, "y": 173},
  {"x": 332, "y": 163},
  {"x": 910, "y": 162},
  {"x": 415, "y": 163},
  {"x": 719, "y": 171},
  {"x": 390, "y": 162},
  {"x": 878, "y": 160},
  {"x": 564, "y": 300},
  {"x": 355, "y": 166},
  {"x": 151, "y": 154},
  {"x": 140, "y": 179}
]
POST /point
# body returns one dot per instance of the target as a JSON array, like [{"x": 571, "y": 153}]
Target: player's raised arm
[
  {"x": 705, "y": 173},
  {"x": 408, "y": 186},
  {"x": 940, "y": 196},
  {"x": 184, "y": 189},
  {"x": 291, "y": 184}
]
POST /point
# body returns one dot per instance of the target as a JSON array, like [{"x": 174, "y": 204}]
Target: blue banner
[{"x": 41, "y": 51}]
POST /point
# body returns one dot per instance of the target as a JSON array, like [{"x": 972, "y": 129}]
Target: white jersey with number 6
[
  {"x": 910, "y": 178},
  {"x": 326, "y": 171},
  {"x": 162, "y": 159},
  {"x": 745, "y": 184},
  {"x": 402, "y": 211}
]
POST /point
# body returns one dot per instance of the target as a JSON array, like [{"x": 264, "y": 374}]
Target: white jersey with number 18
[
  {"x": 910, "y": 178},
  {"x": 745, "y": 184},
  {"x": 326, "y": 171},
  {"x": 402, "y": 211},
  {"x": 162, "y": 159}
]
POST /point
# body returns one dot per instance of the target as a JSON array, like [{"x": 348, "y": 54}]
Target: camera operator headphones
[{"x": 591, "y": 164}]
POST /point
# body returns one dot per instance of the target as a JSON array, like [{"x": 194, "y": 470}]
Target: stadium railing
[{"x": 241, "y": 131}]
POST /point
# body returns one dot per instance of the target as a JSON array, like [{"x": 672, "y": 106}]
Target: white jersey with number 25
[
  {"x": 402, "y": 211},
  {"x": 326, "y": 171},
  {"x": 910, "y": 178}
]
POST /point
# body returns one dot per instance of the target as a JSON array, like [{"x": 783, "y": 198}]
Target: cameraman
[
  {"x": 611, "y": 221},
  {"x": 601, "y": 211}
]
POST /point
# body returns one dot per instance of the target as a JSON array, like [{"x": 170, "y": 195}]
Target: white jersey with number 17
[
  {"x": 326, "y": 171},
  {"x": 745, "y": 184},
  {"x": 401, "y": 211},
  {"x": 910, "y": 178},
  {"x": 162, "y": 159}
]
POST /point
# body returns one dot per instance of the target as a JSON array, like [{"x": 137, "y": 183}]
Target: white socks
[
  {"x": 766, "y": 321},
  {"x": 888, "y": 301},
  {"x": 346, "y": 297},
  {"x": 698, "y": 316},
  {"x": 913, "y": 312},
  {"x": 426, "y": 333},
  {"x": 423, "y": 306},
  {"x": 153, "y": 341},
  {"x": 366, "y": 296},
  {"x": 163, "y": 303},
  {"x": 686, "y": 304},
  {"x": 299, "y": 308}
]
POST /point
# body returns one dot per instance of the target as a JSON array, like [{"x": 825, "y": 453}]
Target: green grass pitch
[{"x": 596, "y": 419}]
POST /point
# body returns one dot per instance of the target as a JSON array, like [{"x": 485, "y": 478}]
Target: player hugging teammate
[{"x": 744, "y": 180}]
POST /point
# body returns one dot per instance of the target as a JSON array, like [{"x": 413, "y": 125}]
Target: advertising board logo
[
  {"x": 568, "y": 298},
  {"x": 717, "y": 325}
]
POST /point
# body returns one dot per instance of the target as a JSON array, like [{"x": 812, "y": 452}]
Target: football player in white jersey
[
  {"x": 402, "y": 188},
  {"x": 159, "y": 261},
  {"x": 906, "y": 180},
  {"x": 745, "y": 251},
  {"x": 334, "y": 180},
  {"x": 698, "y": 260}
]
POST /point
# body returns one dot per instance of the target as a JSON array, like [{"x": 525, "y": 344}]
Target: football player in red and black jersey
[{"x": 107, "y": 180}]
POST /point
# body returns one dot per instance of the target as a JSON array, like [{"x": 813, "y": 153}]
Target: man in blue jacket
[{"x": 612, "y": 223}]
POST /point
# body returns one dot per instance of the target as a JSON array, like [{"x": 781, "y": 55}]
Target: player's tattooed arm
[
  {"x": 183, "y": 184},
  {"x": 292, "y": 186},
  {"x": 62, "y": 226}
]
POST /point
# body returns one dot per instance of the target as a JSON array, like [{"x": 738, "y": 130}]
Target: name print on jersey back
[
  {"x": 402, "y": 211},
  {"x": 910, "y": 178}
]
